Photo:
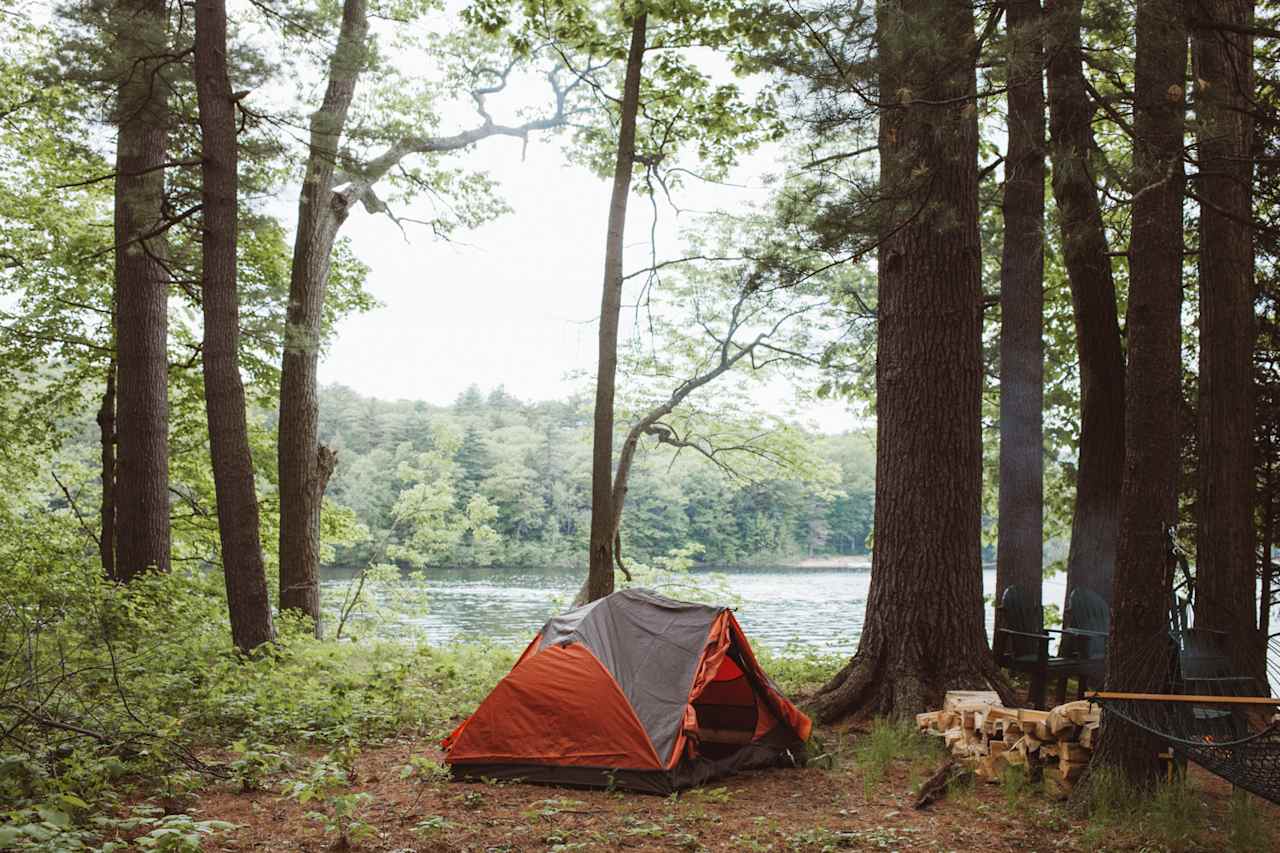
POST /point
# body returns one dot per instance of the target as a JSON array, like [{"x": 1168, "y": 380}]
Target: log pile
[{"x": 978, "y": 729}]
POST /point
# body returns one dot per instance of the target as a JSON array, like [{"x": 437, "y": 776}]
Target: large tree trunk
[
  {"x": 923, "y": 633},
  {"x": 141, "y": 295},
  {"x": 600, "y": 566},
  {"x": 107, "y": 440},
  {"x": 1149, "y": 495},
  {"x": 1018, "y": 555},
  {"x": 305, "y": 466},
  {"x": 237, "y": 499},
  {"x": 1225, "y": 523},
  {"x": 1095, "y": 524}
]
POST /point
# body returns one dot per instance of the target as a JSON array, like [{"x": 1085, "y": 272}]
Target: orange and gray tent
[{"x": 635, "y": 691}]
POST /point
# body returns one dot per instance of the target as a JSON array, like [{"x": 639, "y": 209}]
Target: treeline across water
[{"x": 493, "y": 480}]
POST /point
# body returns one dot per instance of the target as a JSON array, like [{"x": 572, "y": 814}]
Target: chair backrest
[
  {"x": 1089, "y": 612},
  {"x": 1205, "y": 661},
  {"x": 1018, "y": 613}
]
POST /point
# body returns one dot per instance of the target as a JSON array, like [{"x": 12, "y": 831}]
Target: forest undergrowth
[{"x": 129, "y": 723}]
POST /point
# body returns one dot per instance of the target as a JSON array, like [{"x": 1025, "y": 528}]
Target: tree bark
[
  {"x": 601, "y": 559},
  {"x": 1021, "y": 505},
  {"x": 1095, "y": 524},
  {"x": 305, "y": 466},
  {"x": 107, "y": 438},
  {"x": 237, "y": 499},
  {"x": 141, "y": 295},
  {"x": 1224, "y": 519},
  {"x": 923, "y": 632},
  {"x": 1149, "y": 494}
]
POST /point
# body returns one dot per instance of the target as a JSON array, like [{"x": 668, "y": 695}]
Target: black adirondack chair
[
  {"x": 1205, "y": 669},
  {"x": 1021, "y": 643},
  {"x": 1083, "y": 650}
]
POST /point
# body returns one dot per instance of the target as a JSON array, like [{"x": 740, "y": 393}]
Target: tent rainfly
[{"x": 633, "y": 691}]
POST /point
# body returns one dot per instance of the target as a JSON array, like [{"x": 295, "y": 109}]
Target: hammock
[
  {"x": 1235, "y": 737},
  {"x": 1217, "y": 719}
]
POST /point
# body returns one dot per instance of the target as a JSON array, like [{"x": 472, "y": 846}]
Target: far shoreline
[{"x": 845, "y": 562}]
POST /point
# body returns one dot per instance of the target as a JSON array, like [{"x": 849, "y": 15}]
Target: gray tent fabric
[{"x": 650, "y": 644}]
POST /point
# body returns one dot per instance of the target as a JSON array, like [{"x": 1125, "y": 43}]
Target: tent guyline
[{"x": 636, "y": 691}]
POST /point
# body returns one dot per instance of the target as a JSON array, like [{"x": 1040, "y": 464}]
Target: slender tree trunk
[
  {"x": 107, "y": 434},
  {"x": 600, "y": 567},
  {"x": 237, "y": 499},
  {"x": 305, "y": 466},
  {"x": 1019, "y": 551},
  {"x": 1149, "y": 495},
  {"x": 923, "y": 633},
  {"x": 141, "y": 296},
  {"x": 1225, "y": 582},
  {"x": 1095, "y": 524}
]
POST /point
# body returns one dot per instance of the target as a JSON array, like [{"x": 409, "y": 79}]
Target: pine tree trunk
[
  {"x": 1149, "y": 495},
  {"x": 237, "y": 499},
  {"x": 600, "y": 566},
  {"x": 923, "y": 632},
  {"x": 107, "y": 441},
  {"x": 1225, "y": 524},
  {"x": 1095, "y": 524},
  {"x": 141, "y": 296},
  {"x": 1019, "y": 551},
  {"x": 305, "y": 466}
]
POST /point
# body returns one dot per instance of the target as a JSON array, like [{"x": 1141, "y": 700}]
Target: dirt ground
[{"x": 795, "y": 809}]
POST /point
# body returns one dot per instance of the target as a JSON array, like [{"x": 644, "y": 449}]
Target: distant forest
[{"x": 493, "y": 480}]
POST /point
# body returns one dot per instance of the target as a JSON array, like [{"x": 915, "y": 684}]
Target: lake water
[{"x": 818, "y": 608}]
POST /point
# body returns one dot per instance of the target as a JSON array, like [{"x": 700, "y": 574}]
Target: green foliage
[
  {"x": 432, "y": 826},
  {"x": 525, "y": 468},
  {"x": 327, "y": 784},
  {"x": 63, "y": 827},
  {"x": 255, "y": 763},
  {"x": 106, "y": 685},
  {"x": 799, "y": 670}
]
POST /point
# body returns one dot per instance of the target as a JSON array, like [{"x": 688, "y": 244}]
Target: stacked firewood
[{"x": 976, "y": 727}]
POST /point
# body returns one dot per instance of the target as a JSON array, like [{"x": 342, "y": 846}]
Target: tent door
[{"x": 728, "y": 710}]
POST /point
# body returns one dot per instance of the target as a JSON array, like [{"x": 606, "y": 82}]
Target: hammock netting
[
  {"x": 1240, "y": 743},
  {"x": 1209, "y": 714}
]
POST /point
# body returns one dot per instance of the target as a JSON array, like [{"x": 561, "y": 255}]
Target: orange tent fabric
[{"x": 560, "y": 706}]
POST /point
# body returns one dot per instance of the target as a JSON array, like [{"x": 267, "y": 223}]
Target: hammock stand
[{"x": 1220, "y": 733}]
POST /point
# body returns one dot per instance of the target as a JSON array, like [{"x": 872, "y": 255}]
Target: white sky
[{"x": 514, "y": 302}]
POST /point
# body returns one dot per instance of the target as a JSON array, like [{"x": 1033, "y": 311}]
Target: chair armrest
[
  {"x": 1084, "y": 632},
  {"x": 1024, "y": 634}
]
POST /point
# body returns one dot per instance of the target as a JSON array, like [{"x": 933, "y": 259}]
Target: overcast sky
[{"x": 515, "y": 302}]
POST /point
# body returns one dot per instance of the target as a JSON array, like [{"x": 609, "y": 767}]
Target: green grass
[
  {"x": 1017, "y": 787},
  {"x": 890, "y": 741},
  {"x": 1174, "y": 813},
  {"x": 1247, "y": 827}
]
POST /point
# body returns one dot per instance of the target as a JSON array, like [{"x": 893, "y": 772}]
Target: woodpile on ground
[{"x": 979, "y": 730}]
